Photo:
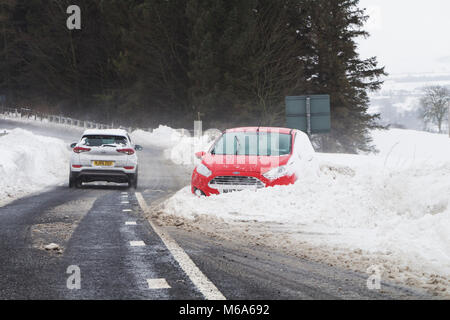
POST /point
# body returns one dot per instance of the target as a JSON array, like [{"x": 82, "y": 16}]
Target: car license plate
[
  {"x": 103, "y": 163},
  {"x": 230, "y": 190}
]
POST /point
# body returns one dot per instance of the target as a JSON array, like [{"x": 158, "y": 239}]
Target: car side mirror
[
  {"x": 73, "y": 145},
  {"x": 138, "y": 148},
  {"x": 200, "y": 154}
]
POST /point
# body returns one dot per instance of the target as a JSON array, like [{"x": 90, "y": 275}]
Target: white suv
[{"x": 104, "y": 155}]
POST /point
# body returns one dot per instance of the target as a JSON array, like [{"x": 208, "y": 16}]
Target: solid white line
[
  {"x": 158, "y": 284},
  {"x": 203, "y": 284},
  {"x": 130, "y": 223},
  {"x": 137, "y": 243}
]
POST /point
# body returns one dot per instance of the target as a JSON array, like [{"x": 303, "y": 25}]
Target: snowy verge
[
  {"x": 30, "y": 163},
  {"x": 179, "y": 146},
  {"x": 42, "y": 122},
  {"x": 390, "y": 209}
]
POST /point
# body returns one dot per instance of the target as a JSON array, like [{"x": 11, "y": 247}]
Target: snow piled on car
[
  {"x": 30, "y": 163},
  {"x": 391, "y": 208}
]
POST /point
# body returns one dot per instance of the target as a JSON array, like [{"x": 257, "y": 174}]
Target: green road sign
[{"x": 310, "y": 114}]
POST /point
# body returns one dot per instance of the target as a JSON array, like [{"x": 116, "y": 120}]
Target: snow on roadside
[
  {"x": 30, "y": 163},
  {"x": 162, "y": 137},
  {"x": 42, "y": 123},
  {"x": 179, "y": 146},
  {"x": 392, "y": 204}
]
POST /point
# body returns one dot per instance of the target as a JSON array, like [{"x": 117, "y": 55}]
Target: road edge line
[{"x": 203, "y": 284}]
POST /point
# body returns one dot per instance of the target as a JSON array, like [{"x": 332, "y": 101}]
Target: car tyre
[
  {"x": 71, "y": 180},
  {"x": 133, "y": 182},
  {"x": 78, "y": 183}
]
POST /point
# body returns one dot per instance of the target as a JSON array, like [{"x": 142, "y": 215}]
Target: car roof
[
  {"x": 108, "y": 132},
  {"x": 261, "y": 129}
]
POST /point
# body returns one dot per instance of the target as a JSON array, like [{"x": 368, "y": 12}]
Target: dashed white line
[
  {"x": 155, "y": 284},
  {"x": 130, "y": 223},
  {"x": 125, "y": 202},
  {"x": 137, "y": 243},
  {"x": 127, "y": 210},
  {"x": 203, "y": 284}
]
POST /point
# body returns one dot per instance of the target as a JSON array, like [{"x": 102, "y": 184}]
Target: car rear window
[
  {"x": 100, "y": 140},
  {"x": 253, "y": 143}
]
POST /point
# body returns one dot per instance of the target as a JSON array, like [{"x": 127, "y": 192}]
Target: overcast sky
[{"x": 408, "y": 36}]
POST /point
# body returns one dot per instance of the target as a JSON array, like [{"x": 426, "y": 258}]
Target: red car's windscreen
[{"x": 253, "y": 144}]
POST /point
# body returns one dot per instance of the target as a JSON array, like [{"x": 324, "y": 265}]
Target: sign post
[{"x": 308, "y": 115}]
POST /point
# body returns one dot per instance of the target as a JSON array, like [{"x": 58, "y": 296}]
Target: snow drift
[
  {"x": 179, "y": 146},
  {"x": 395, "y": 203},
  {"x": 29, "y": 163}
]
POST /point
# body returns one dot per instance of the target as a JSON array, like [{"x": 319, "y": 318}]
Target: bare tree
[{"x": 435, "y": 105}]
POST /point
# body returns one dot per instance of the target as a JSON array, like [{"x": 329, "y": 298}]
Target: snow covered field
[
  {"x": 30, "y": 163},
  {"x": 390, "y": 209}
]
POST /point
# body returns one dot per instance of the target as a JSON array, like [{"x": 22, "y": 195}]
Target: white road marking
[
  {"x": 137, "y": 243},
  {"x": 158, "y": 284},
  {"x": 127, "y": 210},
  {"x": 125, "y": 202},
  {"x": 203, "y": 284},
  {"x": 125, "y": 193},
  {"x": 130, "y": 223}
]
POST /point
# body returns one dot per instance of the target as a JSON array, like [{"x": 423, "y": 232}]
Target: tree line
[{"x": 229, "y": 62}]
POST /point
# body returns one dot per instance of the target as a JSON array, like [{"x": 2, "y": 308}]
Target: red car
[{"x": 251, "y": 158}]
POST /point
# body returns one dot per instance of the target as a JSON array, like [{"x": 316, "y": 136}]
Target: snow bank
[
  {"x": 29, "y": 163},
  {"x": 395, "y": 203},
  {"x": 161, "y": 137},
  {"x": 179, "y": 146},
  {"x": 42, "y": 122}
]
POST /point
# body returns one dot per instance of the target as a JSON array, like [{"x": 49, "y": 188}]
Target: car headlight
[
  {"x": 203, "y": 170},
  {"x": 276, "y": 173}
]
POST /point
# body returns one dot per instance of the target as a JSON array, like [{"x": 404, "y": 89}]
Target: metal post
[{"x": 308, "y": 116}]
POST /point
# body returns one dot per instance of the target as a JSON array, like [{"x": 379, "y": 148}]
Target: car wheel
[
  {"x": 78, "y": 183},
  {"x": 135, "y": 182},
  {"x": 132, "y": 182},
  {"x": 71, "y": 180}
]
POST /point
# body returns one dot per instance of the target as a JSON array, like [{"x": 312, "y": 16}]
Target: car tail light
[
  {"x": 81, "y": 149},
  {"x": 129, "y": 168},
  {"x": 76, "y": 166},
  {"x": 126, "y": 151}
]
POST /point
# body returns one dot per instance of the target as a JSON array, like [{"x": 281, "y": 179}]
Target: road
[{"x": 101, "y": 229}]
